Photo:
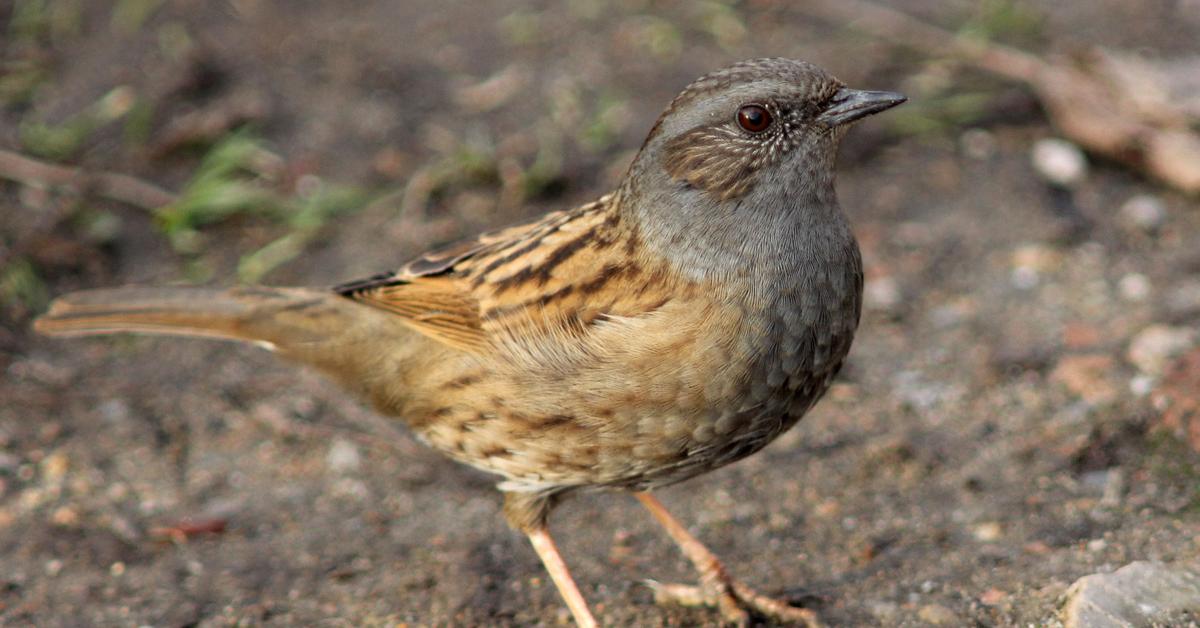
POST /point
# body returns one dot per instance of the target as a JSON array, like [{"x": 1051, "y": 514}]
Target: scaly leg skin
[
  {"x": 552, "y": 560},
  {"x": 717, "y": 588}
]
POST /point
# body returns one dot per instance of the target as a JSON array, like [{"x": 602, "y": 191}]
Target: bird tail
[{"x": 278, "y": 318}]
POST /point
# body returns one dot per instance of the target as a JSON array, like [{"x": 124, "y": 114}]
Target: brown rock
[
  {"x": 1081, "y": 335},
  {"x": 1088, "y": 376},
  {"x": 1178, "y": 399},
  {"x": 938, "y": 615},
  {"x": 993, "y": 597}
]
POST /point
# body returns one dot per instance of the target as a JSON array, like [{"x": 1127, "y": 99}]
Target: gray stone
[
  {"x": 1138, "y": 594},
  {"x": 1144, "y": 211}
]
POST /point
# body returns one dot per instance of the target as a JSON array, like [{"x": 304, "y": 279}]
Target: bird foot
[{"x": 734, "y": 601}]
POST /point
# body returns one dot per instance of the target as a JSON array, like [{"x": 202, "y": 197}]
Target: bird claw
[{"x": 733, "y": 600}]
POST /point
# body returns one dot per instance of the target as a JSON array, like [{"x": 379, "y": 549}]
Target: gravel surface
[{"x": 994, "y": 437}]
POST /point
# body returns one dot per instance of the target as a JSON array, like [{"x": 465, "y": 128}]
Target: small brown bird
[{"x": 671, "y": 327}]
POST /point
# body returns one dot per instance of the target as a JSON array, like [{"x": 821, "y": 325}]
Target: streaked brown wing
[{"x": 450, "y": 293}]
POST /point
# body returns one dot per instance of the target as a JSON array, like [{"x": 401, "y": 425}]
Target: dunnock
[{"x": 671, "y": 327}]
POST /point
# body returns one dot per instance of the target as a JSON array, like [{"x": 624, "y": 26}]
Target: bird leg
[
  {"x": 548, "y": 552},
  {"x": 527, "y": 512},
  {"x": 717, "y": 588}
]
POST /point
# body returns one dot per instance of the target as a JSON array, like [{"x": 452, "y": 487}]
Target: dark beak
[{"x": 848, "y": 105}]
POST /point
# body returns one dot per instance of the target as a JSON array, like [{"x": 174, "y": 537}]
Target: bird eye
[{"x": 754, "y": 118}]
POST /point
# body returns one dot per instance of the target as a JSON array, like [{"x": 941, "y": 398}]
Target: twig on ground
[
  {"x": 904, "y": 30},
  {"x": 110, "y": 185},
  {"x": 1097, "y": 99}
]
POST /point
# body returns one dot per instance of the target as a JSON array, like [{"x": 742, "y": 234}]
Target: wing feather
[{"x": 556, "y": 273}]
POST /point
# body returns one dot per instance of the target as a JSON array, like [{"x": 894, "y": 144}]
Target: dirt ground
[{"x": 991, "y": 440}]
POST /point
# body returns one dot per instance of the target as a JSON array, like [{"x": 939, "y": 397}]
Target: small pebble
[
  {"x": 65, "y": 516},
  {"x": 938, "y": 615},
  {"x": 882, "y": 610},
  {"x": 1144, "y": 211},
  {"x": 1095, "y": 480},
  {"x": 1184, "y": 298},
  {"x": 114, "y": 410},
  {"x": 1155, "y": 345},
  {"x": 951, "y": 314},
  {"x": 1114, "y": 488},
  {"x": 343, "y": 457},
  {"x": 978, "y": 143},
  {"x": 1141, "y": 385},
  {"x": 1025, "y": 278},
  {"x": 1030, "y": 262},
  {"x": 117, "y": 491},
  {"x": 1134, "y": 287},
  {"x": 1059, "y": 161},
  {"x": 882, "y": 293},
  {"x": 1080, "y": 335},
  {"x": 1088, "y": 376},
  {"x": 1038, "y": 257},
  {"x": 53, "y": 567},
  {"x": 992, "y": 597},
  {"x": 54, "y": 467},
  {"x": 351, "y": 488},
  {"x": 988, "y": 531}
]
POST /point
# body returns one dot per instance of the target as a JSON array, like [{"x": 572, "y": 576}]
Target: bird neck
[{"x": 774, "y": 231}]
